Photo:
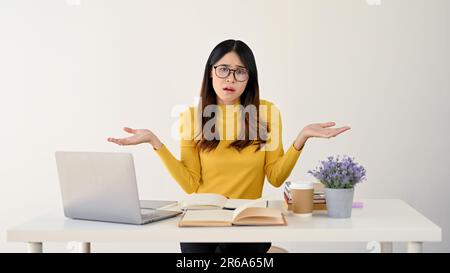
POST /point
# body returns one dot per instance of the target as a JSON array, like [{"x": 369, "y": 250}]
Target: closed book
[
  {"x": 316, "y": 206},
  {"x": 315, "y": 201},
  {"x": 320, "y": 206},
  {"x": 319, "y": 196},
  {"x": 287, "y": 192},
  {"x": 289, "y": 200}
]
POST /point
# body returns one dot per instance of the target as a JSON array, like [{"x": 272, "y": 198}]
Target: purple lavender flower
[{"x": 339, "y": 173}]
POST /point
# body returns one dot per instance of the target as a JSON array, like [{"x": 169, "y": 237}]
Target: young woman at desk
[{"x": 235, "y": 166}]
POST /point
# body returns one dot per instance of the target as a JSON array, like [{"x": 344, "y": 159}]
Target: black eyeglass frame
[{"x": 229, "y": 72}]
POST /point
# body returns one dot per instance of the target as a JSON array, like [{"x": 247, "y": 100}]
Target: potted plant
[{"x": 339, "y": 176}]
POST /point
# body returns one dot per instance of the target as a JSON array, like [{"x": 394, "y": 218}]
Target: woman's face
[{"x": 227, "y": 88}]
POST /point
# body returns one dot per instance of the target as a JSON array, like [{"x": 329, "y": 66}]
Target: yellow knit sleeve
[
  {"x": 278, "y": 165},
  {"x": 187, "y": 170}
]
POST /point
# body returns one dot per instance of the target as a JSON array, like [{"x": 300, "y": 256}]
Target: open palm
[
  {"x": 323, "y": 130},
  {"x": 139, "y": 136}
]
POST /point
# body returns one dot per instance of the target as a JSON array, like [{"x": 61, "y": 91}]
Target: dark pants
[{"x": 224, "y": 247}]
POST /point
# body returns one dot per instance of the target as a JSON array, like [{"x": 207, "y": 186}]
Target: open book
[
  {"x": 249, "y": 214},
  {"x": 208, "y": 201}
]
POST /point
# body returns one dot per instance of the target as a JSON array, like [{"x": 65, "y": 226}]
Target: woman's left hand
[{"x": 322, "y": 130}]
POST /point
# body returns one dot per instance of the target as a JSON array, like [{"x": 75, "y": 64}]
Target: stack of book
[{"x": 319, "y": 196}]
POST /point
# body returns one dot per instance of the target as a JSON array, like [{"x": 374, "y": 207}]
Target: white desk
[{"x": 381, "y": 220}]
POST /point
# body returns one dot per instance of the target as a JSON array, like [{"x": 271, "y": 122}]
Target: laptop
[{"x": 102, "y": 186}]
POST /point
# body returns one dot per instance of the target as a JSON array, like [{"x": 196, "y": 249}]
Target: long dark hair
[{"x": 250, "y": 96}]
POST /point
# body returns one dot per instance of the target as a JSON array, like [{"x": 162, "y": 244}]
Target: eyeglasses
[{"x": 223, "y": 71}]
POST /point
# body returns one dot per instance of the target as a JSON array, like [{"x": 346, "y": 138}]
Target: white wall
[{"x": 73, "y": 75}]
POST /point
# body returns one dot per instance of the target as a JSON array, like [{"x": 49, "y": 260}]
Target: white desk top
[{"x": 386, "y": 220}]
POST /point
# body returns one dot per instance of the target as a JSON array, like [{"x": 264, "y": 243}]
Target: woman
[{"x": 232, "y": 164}]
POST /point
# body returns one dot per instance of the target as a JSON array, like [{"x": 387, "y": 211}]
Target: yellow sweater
[{"x": 224, "y": 170}]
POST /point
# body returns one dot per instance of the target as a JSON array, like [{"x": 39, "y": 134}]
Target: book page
[
  {"x": 204, "y": 201},
  {"x": 236, "y": 203},
  {"x": 261, "y": 221},
  {"x": 263, "y": 214},
  {"x": 254, "y": 203},
  {"x": 206, "y": 217}
]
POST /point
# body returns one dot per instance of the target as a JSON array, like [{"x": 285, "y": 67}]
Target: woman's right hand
[{"x": 139, "y": 136}]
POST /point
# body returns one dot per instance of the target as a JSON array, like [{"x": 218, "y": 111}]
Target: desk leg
[
  {"x": 387, "y": 247},
  {"x": 415, "y": 247},
  {"x": 84, "y": 247},
  {"x": 34, "y": 247}
]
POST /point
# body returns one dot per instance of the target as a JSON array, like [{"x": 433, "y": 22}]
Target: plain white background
[{"x": 73, "y": 73}]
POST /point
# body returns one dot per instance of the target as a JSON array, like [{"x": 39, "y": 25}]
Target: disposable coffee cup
[{"x": 302, "y": 198}]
